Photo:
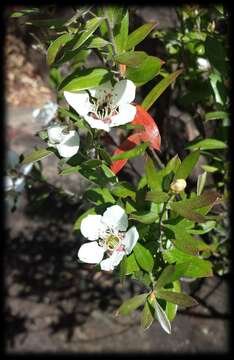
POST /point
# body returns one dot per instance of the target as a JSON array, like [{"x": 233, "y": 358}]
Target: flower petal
[
  {"x": 102, "y": 91},
  {"x": 91, "y": 253},
  {"x": 69, "y": 145},
  {"x": 130, "y": 239},
  {"x": 111, "y": 262},
  {"x": 55, "y": 133},
  {"x": 116, "y": 218},
  {"x": 92, "y": 227},
  {"x": 8, "y": 183},
  {"x": 124, "y": 92},
  {"x": 79, "y": 101},
  {"x": 97, "y": 124},
  {"x": 126, "y": 114}
]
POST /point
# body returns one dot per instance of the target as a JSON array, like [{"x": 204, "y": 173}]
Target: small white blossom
[
  {"x": 203, "y": 64},
  {"x": 108, "y": 234},
  {"x": 67, "y": 142},
  {"x": 105, "y": 106},
  {"x": 45, "y": 114}
]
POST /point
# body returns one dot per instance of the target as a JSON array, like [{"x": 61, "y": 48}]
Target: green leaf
[
  {"x": 37, "y": 155},
  {"x": 143, "y": 257},
  {"x": 197, "y": 267},
  {"x": 139, "y": 34},
  {"x": 145, "y": 217},
  {"x": 159, "y": 88},
  {"x": 85, "y": 79},
  {"x": 187, "y": 165},
  {"x": 96, "y": 42},
  {"x": 215, "y": 51},
  {"x": 104, "y": 155},
  {"x": 188, "y": 244},
  {"x": 191, "y": 215},
  {"x": 121, "y": 33},
  {"x": 171, "y": 309},
  {"x": 162, "y": 317},
  {"x": 216, "y": 82},
  {"x": 147, "y": 316},
  {"x": 207, "y": 144},
  {"x": 170, "y": 274},
  {"x": 131, "y": 304},
  {"x": 176, "y": 298},
  {"x": 152, "y": 176},
  {"x": 217, "y": 115},
  {"x": 201, "y": 181},
  {"x": 136, "y": 151},
  {"x": 25, "y": 12},
  {"x": 90, "y": 27},
  {"x": 70, "y": 170},
  {"x": 99, "y": 196},
  {"x": 149, "y": 68},
  {"x": 123, "y": 189},
  {"x": 157, "y": 196},
  {"x": 80, "y": 123},
  {"x": 131, "y": 58},
  {"x": 209, "y": 168},
  {"x": 90, "y": 211},
  {"x": 131, "y": 264},
  {"x": 56, "y": 45}
]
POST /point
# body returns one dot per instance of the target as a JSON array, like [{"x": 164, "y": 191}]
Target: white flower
[
  {"x": 107, "y": 234},
  {"x": 45, "y": 114},
  {"x": 15, "y": 180},
  {"x": 67, "y": 142},
  {"x": 105, "y": 106},
  {"x": 203, "y": 64}
]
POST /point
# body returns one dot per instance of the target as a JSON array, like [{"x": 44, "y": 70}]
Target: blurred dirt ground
[{"x": 55, "y": 304}]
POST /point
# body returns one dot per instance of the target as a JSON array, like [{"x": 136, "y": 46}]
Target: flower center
[
  {"x": 112, "y": 241},
  {"x": 103, "y": 109}
]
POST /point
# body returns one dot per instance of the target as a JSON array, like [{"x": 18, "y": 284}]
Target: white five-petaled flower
[
  {"x": 67, "y": 142},
  {"x": 15, "y": 178},
  {"x": 105, "y": 106},
  {"x": 108, "y": 234}
]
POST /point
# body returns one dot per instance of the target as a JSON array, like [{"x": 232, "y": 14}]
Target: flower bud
[{"x": 178, "y": 185}]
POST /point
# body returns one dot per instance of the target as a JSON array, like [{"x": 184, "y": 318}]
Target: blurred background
[{"x": 52, "y": 302}]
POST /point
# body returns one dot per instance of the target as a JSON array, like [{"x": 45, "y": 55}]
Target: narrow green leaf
[
  {"x": 96, "y": 42},
  {"x": 74, "y": 116},
  {"x": 216, "y": 115},
  {"x": 131, "y": 264},
  {"x": 171, "y": 309},
  {"x": 157, "y": 196},
  {"x": 56, "y": 45},
  {"x": 70, "y": 170},
  {"x": 90, "y": 27},
  {"x": 159, "y": 88},
  {"x": 176, "y": 298},
  {"x": 207, "y": 198},
  {"x": 37, "y": 155},
  {"x": 121, "y": 33},
  {"x": 152, "y": 176},
  {"x": 143, "y": 257},
  {"x": 145, "y": 218},
  {"x": 131, "y": 304},
  {"x": 201, "y": 181},
  {"x": 139, "y": 34},
  {"x": 162, "y": 318},
  {"x": 147, "y": 316},
  {"x": 136, "y": 151},
  {"x": 99, "y": 196},
  {"x": 191, "y": 215},
  {"x": 207, "y": 144},
  {"x": 187, "y": 165}
]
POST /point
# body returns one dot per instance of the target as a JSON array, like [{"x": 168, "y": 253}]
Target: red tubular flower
[{"x": 150, "y": 133}]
